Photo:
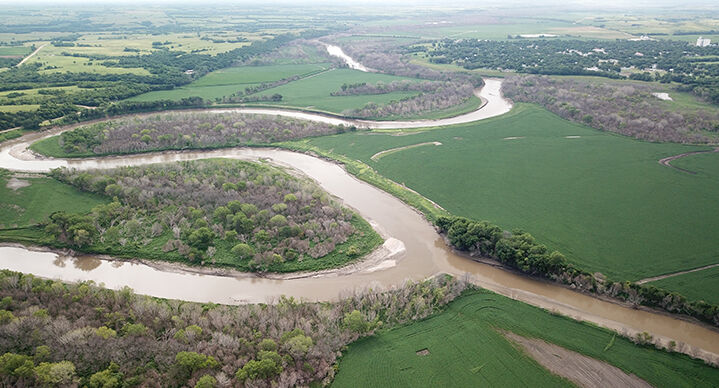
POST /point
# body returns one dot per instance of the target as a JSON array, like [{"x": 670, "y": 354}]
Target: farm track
[
  {"x": 30, "y": 56},
  {"x": 380, "y": 154},
  {"x": 669, "y": 275},
  {"x": 667, "y": 161}
]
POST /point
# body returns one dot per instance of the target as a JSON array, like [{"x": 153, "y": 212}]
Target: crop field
[
  {"x": 502, "y": 28},
  {"x": 19, "y": 51},
  {"x": 570, "y": 186},
  {"x": 700, "y": 285},
  {"x": 33, "y": 203},
  {"x": 314, "y": 92},
  {"x": 466, "y": 349},
  {"x": 706, "y": 165},
  {"x": 18, "y": 108},
  {"x": 53, "y": 61},
  {"x": 224, "y": 82}
]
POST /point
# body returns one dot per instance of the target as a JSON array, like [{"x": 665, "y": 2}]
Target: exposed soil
[
  {"x": 14, "y": 184},
  {"x": 581, "y": 370}
]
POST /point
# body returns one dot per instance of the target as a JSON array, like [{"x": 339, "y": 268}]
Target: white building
[{"x": 701, "y": 42}]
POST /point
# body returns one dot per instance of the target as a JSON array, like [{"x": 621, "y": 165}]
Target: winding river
[{"x": 413, "y": 250}]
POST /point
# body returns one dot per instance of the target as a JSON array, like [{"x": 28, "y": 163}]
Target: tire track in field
[
  {"x": 380, "y": 154},
  {"x": 667, "y": 161},
  {"x": 669, "y": 275}
]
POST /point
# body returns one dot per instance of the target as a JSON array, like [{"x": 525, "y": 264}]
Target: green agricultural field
[
  {"x": 573, "y": 194},
  {"x": 314, "y": 92},
  {"x": 18, "y": 108},
  {"x": 466, "y": 349},
  {"x": 20, "y": 51},
  {"x": 31, "y": 204},
  {"x": 700, "y": 285},
  {"x": 224, "y": 82},
  {"x": 50, "y": 56},
  {"x": 706, "y": 165}
]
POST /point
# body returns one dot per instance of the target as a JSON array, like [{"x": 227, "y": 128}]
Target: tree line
[
  {"x": 519, "y": 250},
  {"x": 682, "y": 62},
  {"x": 188, "y": 130},
  {"x": 628, "y": 109}
]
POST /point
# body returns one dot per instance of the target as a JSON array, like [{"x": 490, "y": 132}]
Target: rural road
[{"x": 31, "y": 55}]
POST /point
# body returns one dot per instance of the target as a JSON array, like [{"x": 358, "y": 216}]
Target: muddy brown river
[{"x": 413, "y": 251}]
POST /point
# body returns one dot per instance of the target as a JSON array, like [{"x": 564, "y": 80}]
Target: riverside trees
[
  {"x": 245, "y": 215},
  {"x": 56, "y": 333},
  {"x": 188, "y": 130}
]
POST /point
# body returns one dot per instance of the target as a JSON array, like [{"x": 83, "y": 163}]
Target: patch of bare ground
[
  {"x": 14, "y": 184},
  {"x": 581, "y": 370},
  {"x": 423, "y": 352}
]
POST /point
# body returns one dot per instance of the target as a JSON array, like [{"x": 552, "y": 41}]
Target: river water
[{"x": 424, "y": 253}]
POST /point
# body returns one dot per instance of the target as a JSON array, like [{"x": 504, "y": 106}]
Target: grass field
[
  {"x": 34, "y": 203},
  {"x": 695, "y": 285},
  {"x": 601, "y": 199},
  {"x": 224, "y": 82},
  {"x": 466, "y": 349}
]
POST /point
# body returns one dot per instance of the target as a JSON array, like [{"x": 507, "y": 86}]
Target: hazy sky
[{"x": 464, "y": 3}]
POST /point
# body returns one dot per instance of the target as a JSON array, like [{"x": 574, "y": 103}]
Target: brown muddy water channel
[{"x": 421, "y": 254}]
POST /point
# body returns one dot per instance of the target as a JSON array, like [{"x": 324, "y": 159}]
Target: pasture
[
  {"x": 601, "y": 199},
  {"x": 466, "y": 349}
]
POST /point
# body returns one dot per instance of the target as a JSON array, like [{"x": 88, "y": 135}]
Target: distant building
[{"x": 701, "y": 42}]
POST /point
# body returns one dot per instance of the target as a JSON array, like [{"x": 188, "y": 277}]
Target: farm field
[
  {"x": 314, "y": 92},
  {"x": 18, "y": 108},
  {"x": 51, "y": 56},
  {"x": 699, "y": 285},
  {"x": 570, "y": 186},
  {"x": 466, "y": 349},
  {"x": 40, "y": 197},
  {"x": 224, "y": 82},
  {"x": 706, "y": 165},
  {"x": 14, "y": 51}
]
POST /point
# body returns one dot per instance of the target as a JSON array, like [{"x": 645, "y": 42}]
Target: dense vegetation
[
  {"x": 630, "y": 110},
  {"x": 53, "y": 334},
  {"x": 679, "y": 61},
  {"x": 243, "y": 215},
  {"x": 180, "y": 131},
  {"x": 465, "y": 346}
]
